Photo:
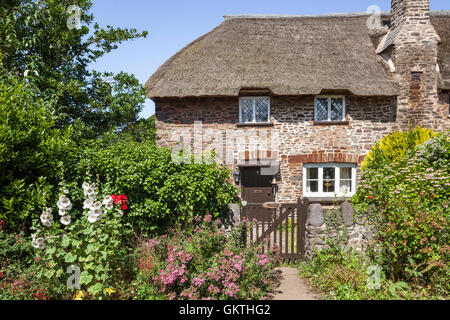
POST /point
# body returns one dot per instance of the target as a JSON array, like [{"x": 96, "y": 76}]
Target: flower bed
[{"x": 204, "y": 263}]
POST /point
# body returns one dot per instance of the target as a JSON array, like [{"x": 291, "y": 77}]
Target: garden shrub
[
  {"x": 204, "y": 263},
  {"x": 161, "y": 192},
  {"x": 408, "y": 202},
  {"x": 31, "y": 148},
  {"x": 394, "y": 146}
]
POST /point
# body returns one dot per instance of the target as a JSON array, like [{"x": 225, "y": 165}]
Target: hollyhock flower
[
  {"x": 66, "y": 220},
  {"x": 38, "y": 243},
  {"x": 92, "y": 218},
  {"x": 124, "y": 207},
  {"x": 46, "y": 219},
  {"x": 64, "y": 203},
  {"x": 88, "y": 204},
  {"x": 62, "y": 212},
  {"x": 120, "y": 212},
  {"x": 97, "y": 206},
  {"x": 109, "y": 206},
  {"x": 96, "y": 212},
  {"x": 371, "y": 198},
  {"x": 90, "y": 193},
  {"x": 107, "y": 200},
  {"x": 85, "y": 185}
]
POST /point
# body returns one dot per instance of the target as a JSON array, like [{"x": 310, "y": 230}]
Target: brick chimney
[
  {"x": 410, "y": 12},
  {"x": 414, "y": 55}
]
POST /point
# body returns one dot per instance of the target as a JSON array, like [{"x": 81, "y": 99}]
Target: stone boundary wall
[{"x": 325, "y": 223}]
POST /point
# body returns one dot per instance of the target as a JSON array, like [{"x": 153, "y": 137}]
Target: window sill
[
  {"x": 328, "y": 200},
  {"x": 331, "y": 123},
  {"x": 256, "y": 124}
]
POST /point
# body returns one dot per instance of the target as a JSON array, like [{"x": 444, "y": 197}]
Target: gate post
[{"x": 302, "y": 212}]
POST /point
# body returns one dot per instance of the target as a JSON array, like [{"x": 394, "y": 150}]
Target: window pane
[
  {"x": 312, "y": 186},
  {"x": 337, "y": 109},
  {"x": 246, "y": 110},
  {"x": 322, "y": 109},
  {"x": 328, "y": 173},
  {"x": 346, "y": 186},
  {"x": 346, "y": 173},
  {"x": 328, "y": 185},
  {"x": 328, "y": 179},
  {"x": 312, "y": 173},
  {"x": 262, "y": 110}
]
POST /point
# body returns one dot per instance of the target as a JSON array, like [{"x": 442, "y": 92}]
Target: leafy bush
[
  {"x": 408, "y": 202},
  {"x": 161, "y": 192},
  {"x": 203, "y": 263},
  {"x": 394, "y": 146},
  {"x": 30, "y": 149}
]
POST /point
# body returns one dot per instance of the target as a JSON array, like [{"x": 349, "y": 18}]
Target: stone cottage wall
[
  {"x": 344, "y": 230},
  {"x": 292, "y": 124}
]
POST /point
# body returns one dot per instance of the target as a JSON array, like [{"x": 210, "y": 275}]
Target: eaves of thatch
[{"x": 289, "y": 55}]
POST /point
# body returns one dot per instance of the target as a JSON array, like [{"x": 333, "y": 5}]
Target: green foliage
[
  {"x": 408, "y": 202},
  {"x": 162, "y": 193},
  {"x": 31, "y": 148},
  {"x": 394, "y": 146},
  {"x": 345, "y": 275},
  {"x": 16, "y": 279},
  {"x": 142, "y": 131},
  {"x": 36, "y": 37}
]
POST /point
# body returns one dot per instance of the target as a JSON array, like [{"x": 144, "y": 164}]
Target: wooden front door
[{"x": 256, "y": 188}]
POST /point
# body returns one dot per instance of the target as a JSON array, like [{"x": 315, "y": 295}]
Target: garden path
[{"x": 293, "y": 287}]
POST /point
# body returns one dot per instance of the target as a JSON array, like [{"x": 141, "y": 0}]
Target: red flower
[
  {"x": 120, "y": 200},
  {"x": 371, "y": 198}
]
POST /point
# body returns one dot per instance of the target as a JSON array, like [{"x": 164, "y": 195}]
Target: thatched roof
[
  {"x": 441, "y": 23},
  {"x": 289, "y": 55}
]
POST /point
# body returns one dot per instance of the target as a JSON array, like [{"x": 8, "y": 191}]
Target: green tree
[{"x": 41, "y": 41}]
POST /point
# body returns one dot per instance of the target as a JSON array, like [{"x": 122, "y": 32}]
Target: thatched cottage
[{"x": 320, "y": 89}]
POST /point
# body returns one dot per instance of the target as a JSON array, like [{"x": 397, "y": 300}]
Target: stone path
[{"x": 293, "y": 287}]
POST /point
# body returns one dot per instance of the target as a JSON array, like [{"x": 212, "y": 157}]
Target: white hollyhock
[
  {"x": 107, "y": 200},
  {"x": 88, "y": 204},
  {"x": 109, "y": 206},
  {"x": 120, "y": 212},
  {"x": 90, "y": 193},
  {"x": 97, "y": 206},
  {"x": 96, "y": 212},
  {"x": 64, "y": 203},
  {"x": 92, "y": 218},
  {"x": 38, "y": 243},
  {"x": 66, "y": 220},
  {"x": 46, "y": 218},
  {"x": 85, "y": 185}
]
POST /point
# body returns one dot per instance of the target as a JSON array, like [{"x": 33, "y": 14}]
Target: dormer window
[
  {"x": 254, "y": 110},
  {"x": 329, "y": 108}
]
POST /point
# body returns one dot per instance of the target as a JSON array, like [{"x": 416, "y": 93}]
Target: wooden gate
[{"x": 284, "y": 227}]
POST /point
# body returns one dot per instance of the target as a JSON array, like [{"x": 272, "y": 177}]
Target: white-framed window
[
  {"x": 329, "y": 180},
  {"x": 329, "y": 108},
  {"x": 254, "y": 109}
]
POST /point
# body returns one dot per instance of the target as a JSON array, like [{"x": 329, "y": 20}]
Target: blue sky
[{"x": 172, "y": 24}]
